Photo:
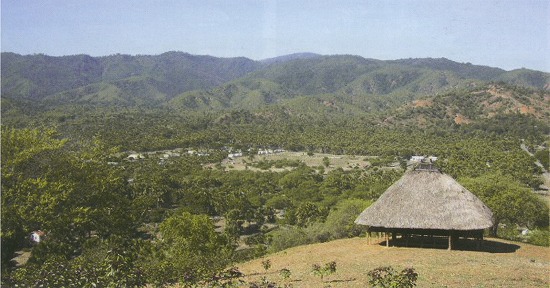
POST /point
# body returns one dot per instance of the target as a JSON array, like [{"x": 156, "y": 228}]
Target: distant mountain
[
  {"x": 526, "y": 78},
  {"x": 350, "y": 84},
  {"x": 290, "y": 57},
  {"x": 181, "y": 81},
  {"x": 40, "y": 77},
  {"x": 463, "y": 70}
]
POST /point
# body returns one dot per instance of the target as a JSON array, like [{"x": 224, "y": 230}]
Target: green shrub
[
  {"x": 339, "y": 224},
  {"x": 539, "y": 237},
  {"x": 389, "y": 277},
  {"x": 328, "y": 269},
  {"x": 544, "y": 157},
  {"x": 266, "y": 264},
  {"x": 340, "y": 221},
  {"x": 288, "y": 237},
  {"x": 285, "y": 273}
]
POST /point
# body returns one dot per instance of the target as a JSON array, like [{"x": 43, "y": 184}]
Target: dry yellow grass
[{"x": 502, "y": 264}]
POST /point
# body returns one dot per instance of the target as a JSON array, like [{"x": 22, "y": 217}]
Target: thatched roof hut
[{"x": 426, "y": 201}]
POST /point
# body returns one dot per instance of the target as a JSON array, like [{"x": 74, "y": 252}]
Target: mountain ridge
[{"x": 182, "y": 81}]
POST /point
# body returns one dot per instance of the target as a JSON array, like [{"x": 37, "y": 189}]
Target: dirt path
[{"x": 21, "y": 257}]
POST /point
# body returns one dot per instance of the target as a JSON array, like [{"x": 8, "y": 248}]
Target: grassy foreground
[{"x": 501, "y": 264}]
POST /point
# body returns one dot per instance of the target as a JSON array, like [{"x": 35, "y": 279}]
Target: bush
[
  {"x": 388, "y": 277},
  {"x": 544, "y": 157},
  {"x": 285, "y": 273},
  {"x": 340, "y": 221},
  {"x": 339, "y": 224},
  {"x": 328, "y": 269},
  {"x": 288, "y": 237},
  {"x": 536, "y": 237},
  {"x": 539, "y": 237},
  {"x": 266, "y": 264}
]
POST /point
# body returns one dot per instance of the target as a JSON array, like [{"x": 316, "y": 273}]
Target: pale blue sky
[{"x": 508, "y": 34}]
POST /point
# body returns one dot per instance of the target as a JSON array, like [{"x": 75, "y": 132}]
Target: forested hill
[
  {"x": 188, "y": 82},
  {"x": 40, "y": 76}
]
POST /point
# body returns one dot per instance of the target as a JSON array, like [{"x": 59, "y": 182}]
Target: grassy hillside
[{"x": 501, "y": 264}]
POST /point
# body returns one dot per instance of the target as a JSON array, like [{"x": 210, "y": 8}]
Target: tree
[
  {"x": 308, "y": 213},
  {"x": 103, "y": 263},
  {"x": 508, "y": 200},
  {"x": 67, "y": 194},
  {"x": 191, "y": 246},
  {"x": 25, "y": 155}
]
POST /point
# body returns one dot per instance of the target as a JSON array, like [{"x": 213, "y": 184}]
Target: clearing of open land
[
  {"x": 500, "y": 263},
  {"x": 346, "y": 162}
]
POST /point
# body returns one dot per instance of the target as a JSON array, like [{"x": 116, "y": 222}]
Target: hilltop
[{"x": 502, "y": 264}]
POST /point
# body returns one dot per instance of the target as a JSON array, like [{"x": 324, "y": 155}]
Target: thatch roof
[{"x": 427, "y": 200}]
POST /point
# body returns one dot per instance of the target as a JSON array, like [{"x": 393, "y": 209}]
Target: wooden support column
[
  {"x": 450, "y": 241},
  {"x": 479, "y": 241},
  {"x": 387, "y": 239}
]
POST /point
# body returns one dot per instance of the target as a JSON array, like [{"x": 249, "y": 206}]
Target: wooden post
[
  {"x": 479, "y": 241},
  {"x": 450, "y": 241},
  {"x": 387, "y": 239}
]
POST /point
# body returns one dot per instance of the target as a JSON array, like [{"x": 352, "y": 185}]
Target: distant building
[
  {"x": 417, "y": 158},
  {"x": 235, "y": 155},
  {"x": 135, "y": 156},
  {"x": 37, "y": 236},
  {"x": 265, "y": 152},
  {"x": 432, "y": 158}
]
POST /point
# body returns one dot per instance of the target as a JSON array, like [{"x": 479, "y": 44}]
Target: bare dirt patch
[
  {"x": 461, "y": 119},
  {"x": 501, "y": 264},
  {"x": 422, "y": 103},
  {"x": 346, "y": 162}
]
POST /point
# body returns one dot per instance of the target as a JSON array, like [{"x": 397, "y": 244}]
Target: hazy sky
[{"x": 508, "y": 34}]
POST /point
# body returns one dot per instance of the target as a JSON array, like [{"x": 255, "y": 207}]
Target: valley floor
[{"x": 501, "y": 264}]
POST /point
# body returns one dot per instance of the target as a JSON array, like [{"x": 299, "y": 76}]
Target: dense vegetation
[{"x": 173, "y": 216}]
